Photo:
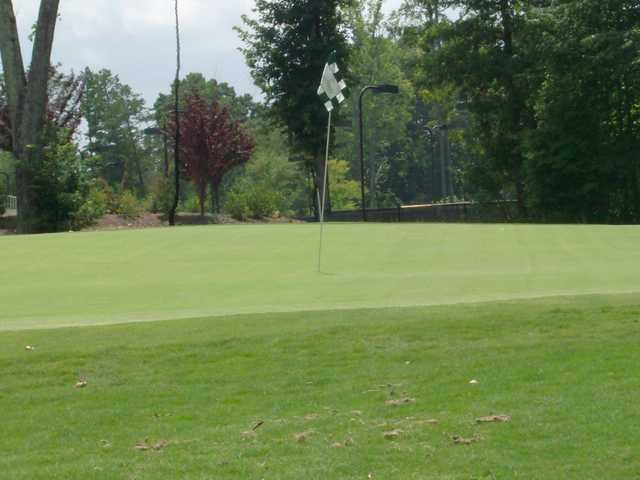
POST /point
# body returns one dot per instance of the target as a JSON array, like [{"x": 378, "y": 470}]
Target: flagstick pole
[{"x": 324, "y": 191}]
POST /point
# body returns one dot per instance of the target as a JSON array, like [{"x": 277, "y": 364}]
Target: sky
[{"x": 135, "y": 39}]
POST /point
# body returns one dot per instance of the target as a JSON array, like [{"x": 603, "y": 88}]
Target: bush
[
  {"x": 237, "y": 205},
  {"x": 162, "y": 195},
  {"x": 95, "y": 206},
  {"x": 108, "y": 194},
  {"x": 252, "y": 201},
  {"x": 191, "y": 204},
  {"x": 345, "y": 193},
  {"x": 269, "y": 185},
  {"x": 100, "y": 200},
  {"x": 129, "y": 206},
  {"x": 62, "y": 184}
]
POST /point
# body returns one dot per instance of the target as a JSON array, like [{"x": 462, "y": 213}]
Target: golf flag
[{"x": 332, "y": 87}]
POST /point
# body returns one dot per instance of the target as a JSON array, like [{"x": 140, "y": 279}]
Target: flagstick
[{"x": 324, "y": 192}]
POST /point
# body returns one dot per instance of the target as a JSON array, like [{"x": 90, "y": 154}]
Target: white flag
[{"x": 332, "y": 88}]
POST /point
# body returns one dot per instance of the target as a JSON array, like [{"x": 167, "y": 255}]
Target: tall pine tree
[{"x": 287, "y": 45}]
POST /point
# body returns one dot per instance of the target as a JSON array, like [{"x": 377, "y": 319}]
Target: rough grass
[
  {"x": 75, "y": 279},
  {"x": 567, "y": 370}
]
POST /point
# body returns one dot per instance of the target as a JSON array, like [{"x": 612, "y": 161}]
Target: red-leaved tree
[{"x": 211, "y": 144}]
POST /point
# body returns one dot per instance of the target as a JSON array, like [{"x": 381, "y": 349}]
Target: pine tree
[{"x": 287, "y": 46}]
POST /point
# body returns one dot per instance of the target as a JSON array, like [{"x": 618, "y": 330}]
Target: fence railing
[
  {"x": 469, "y": 212},
  {"x": 11, "y": 202}
]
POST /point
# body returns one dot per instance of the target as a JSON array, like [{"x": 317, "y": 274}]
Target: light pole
[
  {"x": 380, "y": 88},
  {"x": 443, "y": 139},
  {"x": 432, "y": 140},
  {"x": 437, "y": 133}
]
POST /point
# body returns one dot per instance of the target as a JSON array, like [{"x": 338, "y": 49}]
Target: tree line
[{"x": 534, "y": 104}]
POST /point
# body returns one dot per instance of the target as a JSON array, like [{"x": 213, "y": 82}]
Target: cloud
[{"x": 136, "y": 39}]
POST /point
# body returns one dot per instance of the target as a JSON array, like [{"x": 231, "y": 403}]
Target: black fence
[{"x": 460, "y": 212}]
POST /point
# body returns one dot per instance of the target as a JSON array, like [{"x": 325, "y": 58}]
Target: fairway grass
[
  {"x": 162, "y": 274},
  {"x": 567, "y": 370}
]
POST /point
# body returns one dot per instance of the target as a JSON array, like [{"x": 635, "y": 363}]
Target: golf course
[{"x": 419, "y": 351}]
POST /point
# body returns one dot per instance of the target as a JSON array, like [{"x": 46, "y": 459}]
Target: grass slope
[
  {"x": 75, "y": 279},
  {"x": 566, "y": 369}
]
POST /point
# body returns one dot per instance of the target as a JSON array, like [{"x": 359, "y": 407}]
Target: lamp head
[{"x": 386, "y": 88}]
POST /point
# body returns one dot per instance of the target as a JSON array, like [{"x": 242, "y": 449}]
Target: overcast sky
[{"x": 135, "y": 39}]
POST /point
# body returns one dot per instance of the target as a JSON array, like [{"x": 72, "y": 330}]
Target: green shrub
[
  {"x": 269, "y": 183},
  {"x": 95, "y": 206},
  {"x": 129, "y": 206},
  {"x": 162, "y": 195},
  {"x": 191, "y": 204},
  {"x": 111, "y": 197},
  {"x": 252, "y": 201},
  {"x": 345, "y": 193},
  {"x": 62, "y": 183},
  {"x": 237, "y": 205}
]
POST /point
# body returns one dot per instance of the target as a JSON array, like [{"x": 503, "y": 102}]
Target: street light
[
  {"x": 432, "y": 140},
  {"x": 380, "y": 88},
  {"x": 436, "y": 134},
  {"x": 443, "y": 128}
]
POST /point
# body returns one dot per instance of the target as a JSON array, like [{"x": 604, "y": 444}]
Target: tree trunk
[
  {"x": 443, "y": 163},
  {"x": 521, "y": 198},
  {"x": 165, "y": 141},
  {"x": 215, "y": 198},
  {"x": 27, "y": 97},
  {"x": 176, "y": 109},
  {"x": 314, "y": 204},
  {"x": 516, "y": 105},
  {"x": 13, "y": 66},
  {"x": 136, "y": 158}
]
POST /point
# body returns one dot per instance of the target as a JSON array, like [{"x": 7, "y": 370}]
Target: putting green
[{"x": 122, "y": 276}]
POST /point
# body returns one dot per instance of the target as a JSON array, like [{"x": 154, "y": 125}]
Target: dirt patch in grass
[
  {"x": 458, "y": 440},
  {"x": 400, "y": 401},
  {"x": 147, "y": 446},
  {"x": 494, "y": 419},
  {"x": 155, "y": 220}
]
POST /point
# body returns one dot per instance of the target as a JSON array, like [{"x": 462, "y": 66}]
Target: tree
[
  {"x": 27, "y": 100},
  {"x": 115, "y": 115},
  {"x": 345, "y": 193},
  {"x": 63, "y": 186},
  {"x": 287, "y": 46},
  {"x": 583, "y": 159},
  {"x": 431, "y": 170},
  {"x": 550, "y": 93},
  {"x": 212, "y": 144},
  {"x": 482, "y": 56},
  {"x": 6, "y": 139},
  {"x": 376, "y": 58},
  {"x": 269, "y": 184},
  {"x": 242, "y": 107},
  {"x": 63, "y": 107},
  {"x": 176, "y": 119}
]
